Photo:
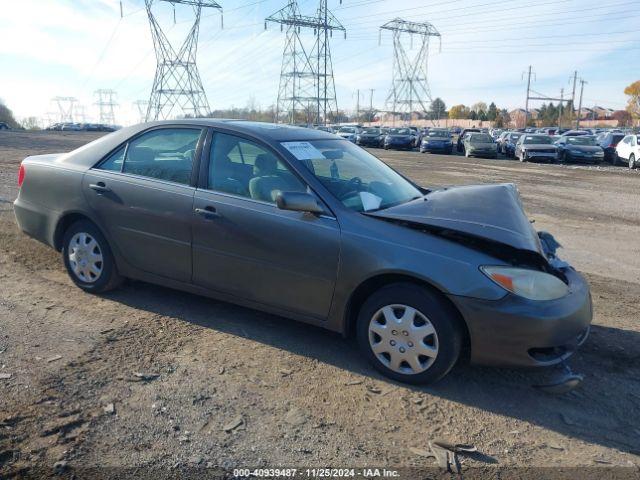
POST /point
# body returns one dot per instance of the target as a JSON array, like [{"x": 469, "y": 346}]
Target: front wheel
[
  {"x": 409, "y": 333},
  {"x": 88, "y": 258},
  {"x": 632, "y": 161}
]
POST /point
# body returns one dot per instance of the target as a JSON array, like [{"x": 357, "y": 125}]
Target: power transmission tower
[
  {"x": 65, "y": 108},
  {"x": 410, "y": 85},
  {"x": 106, "y": 103},
  {"x": 177, "y": 87},
  {"x": 80, "y": 113},
  {"x": 141, "y": 107},
  {"x": 306, "y": 77}
]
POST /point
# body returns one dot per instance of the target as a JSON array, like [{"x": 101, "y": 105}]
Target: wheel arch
[
  {"x": 65, "y": 221},
  {"x": 375, "y": 283}
]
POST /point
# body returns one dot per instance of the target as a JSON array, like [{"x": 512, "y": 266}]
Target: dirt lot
[{"x": 239, "y": 388}]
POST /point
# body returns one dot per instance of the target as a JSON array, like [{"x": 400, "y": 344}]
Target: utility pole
[
  {"x": 410, "y": 83},
  {"x": 526, "y": 105},
  {"x": 358, "y": 106},
  {"x": 573, "y": 91},
  {"x": 371, "y": 90},
  {"x": 177, "y": 88},
  {"x": 582, "y": 82},
  {"x": 560, "y": 111}
]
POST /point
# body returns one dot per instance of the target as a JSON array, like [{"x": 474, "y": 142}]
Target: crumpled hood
[{"x": 492, "y": 212}]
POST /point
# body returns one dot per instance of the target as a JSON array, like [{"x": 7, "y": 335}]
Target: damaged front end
[
  {"x": 546, "y": 311},
  {"x": 485, "y": 218}
]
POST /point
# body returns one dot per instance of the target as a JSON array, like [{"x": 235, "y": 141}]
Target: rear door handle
[
  {"x": 208, "y": 212},
  {"x": 99, "y": 187}
]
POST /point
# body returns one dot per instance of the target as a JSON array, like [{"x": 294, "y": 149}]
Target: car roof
[
  {"x": 267, "y": 131},
  {"x": 87, "y": 155}
]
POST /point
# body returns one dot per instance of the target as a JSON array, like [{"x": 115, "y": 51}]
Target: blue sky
[{"x": 73, "y": 47}]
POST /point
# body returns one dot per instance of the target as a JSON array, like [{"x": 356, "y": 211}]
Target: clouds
[{"x": 65, "y": 47}]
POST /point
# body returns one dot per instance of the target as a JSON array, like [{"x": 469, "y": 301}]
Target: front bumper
[
  {"x": 514, "y": 331},
  {"x": 549, "y": 156},
  {"x": 586, "y": 157},
  {"x": 368, "y": 142},
  {"x": 483, "y": 152},
  {"x": 398, "y": 144},
  {"x": 436, "y": 147}
]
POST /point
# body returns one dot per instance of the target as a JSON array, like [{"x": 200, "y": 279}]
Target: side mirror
[{"x": 298, "y": 202}]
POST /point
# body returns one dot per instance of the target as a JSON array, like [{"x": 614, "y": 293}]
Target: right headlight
[{"x": 531, "y": 284}]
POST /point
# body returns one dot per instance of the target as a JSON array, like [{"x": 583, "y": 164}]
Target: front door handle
[
  {"x": 99, "y": 187},
  {"x": 208, "y": 212}
]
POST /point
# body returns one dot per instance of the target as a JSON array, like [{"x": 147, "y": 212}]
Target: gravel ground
[{"x": 149, "y": 377}]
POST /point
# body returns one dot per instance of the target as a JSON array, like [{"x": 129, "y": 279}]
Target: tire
[
  {"x": 104, "y": 275},
  {"x": 521, "y": 158},
  {"x": 632, "y": 161},
  {"x": 432, "y": 313}
]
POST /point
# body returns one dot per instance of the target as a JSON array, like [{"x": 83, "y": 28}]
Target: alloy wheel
[
  {"x": 85, "y": 257},
  {"x": 632, "y": 161},
  {"x": 403, "y": 339}
]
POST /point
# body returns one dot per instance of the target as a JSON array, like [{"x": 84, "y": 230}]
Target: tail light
[{"x": 21, "y": 174}]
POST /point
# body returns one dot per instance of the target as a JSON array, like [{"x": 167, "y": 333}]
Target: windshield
[
  {"x": 537, "y": 139},
  {"x": 514, "y": 136},
  {"x": 438, "y": 133},
  {"x": 372, "y": 130},
  {"x": 480, "y": 138},
  {"x": 400, "y": 131},
  {"x": 355, "y": 177},
  {"x": 347, "y": 130},
  {"x": 581, "y": 140}
]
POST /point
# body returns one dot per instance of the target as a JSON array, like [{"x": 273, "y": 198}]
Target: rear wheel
[
  {"x": 88, "y": 258},
  {"x": 632, "y": 161},
  {"x": 409, "y": 333}
]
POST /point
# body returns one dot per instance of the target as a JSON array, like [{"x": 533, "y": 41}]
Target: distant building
[
  {"x": 518, "y": 117},
  {"x": 602, "y": 113}
]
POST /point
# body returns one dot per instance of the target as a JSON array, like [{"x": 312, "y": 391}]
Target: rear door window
[{"x": 165, "y": 154}]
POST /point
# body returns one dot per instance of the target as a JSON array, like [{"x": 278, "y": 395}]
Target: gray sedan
[{"x": 301, "y": 223}]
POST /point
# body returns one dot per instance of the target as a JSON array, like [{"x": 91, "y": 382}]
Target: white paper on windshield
[
  {"x": 370, "y": 201},
  {"x": 303, "y": 150}
]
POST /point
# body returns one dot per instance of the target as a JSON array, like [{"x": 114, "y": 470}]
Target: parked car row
[
  {"x": 82, "y": 127},
  {"x": 548, "y": 144}
]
